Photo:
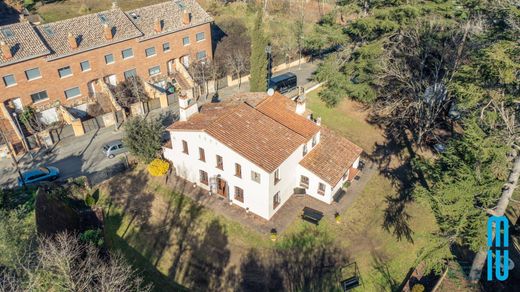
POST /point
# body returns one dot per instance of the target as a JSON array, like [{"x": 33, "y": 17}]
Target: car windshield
[
  {"x": 106, "y": 147},
  {"x": 44, "y": 170}
]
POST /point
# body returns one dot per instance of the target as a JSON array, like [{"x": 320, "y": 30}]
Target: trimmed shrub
[{"x": 158, "y": 167}]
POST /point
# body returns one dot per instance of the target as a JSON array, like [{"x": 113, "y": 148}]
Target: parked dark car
[
  {"x": 38, "y": 175},
  {"x": 284, "y": 83}
]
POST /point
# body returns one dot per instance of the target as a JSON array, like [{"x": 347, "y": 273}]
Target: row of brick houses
[{"x": 62, "y": 63}]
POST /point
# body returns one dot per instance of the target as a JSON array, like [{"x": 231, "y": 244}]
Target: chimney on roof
[
  {"x": 107, "y": 30},
  {"x": 73, "y": 43},
  {"x": 22, "y": 17},
  {"x": 300, "y": 101},
  {"x": 6, "y": 50},
  {"x": 157, "y": 25},
  {"x": 187, "y": 107},
  {"x": 186, "y": 17}
]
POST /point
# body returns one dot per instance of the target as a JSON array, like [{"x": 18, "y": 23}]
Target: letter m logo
[{"x": 498, "y": 243}]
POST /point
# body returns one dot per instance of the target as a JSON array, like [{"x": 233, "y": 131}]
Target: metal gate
[{"x": 90, "y": 125}]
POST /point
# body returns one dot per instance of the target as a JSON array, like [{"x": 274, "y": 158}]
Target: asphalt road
[{"x": 76, "y": 156}]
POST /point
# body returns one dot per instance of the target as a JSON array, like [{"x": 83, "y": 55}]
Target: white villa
[{"x": 257, "y": 150}]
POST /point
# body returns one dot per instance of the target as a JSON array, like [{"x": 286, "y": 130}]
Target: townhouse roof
[
  {"x": 89, "y": 32},
  {"x": 332, "y": 157},
  {"x": 280, "y": 108},
  {"x": 170, "y": 14},
  {"x": 265, "y": 141},
  {"x": 24, "y": 42}
]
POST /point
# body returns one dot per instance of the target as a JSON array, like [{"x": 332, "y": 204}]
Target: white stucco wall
[
  {"x": 314, "y": 181},
  {"x": 256, "y": 195}
]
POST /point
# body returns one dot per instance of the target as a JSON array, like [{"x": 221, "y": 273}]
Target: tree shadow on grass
[{"x": 381, "y": 266}]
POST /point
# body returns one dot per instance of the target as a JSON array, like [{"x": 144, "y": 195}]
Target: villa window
[
  {"x": 72, "y": 92},
  {"x": 203, "y": 177},
  {"x": 304, "y": 182},
  {"x": 166, "y": 47},
  {"x": 276, "y": 200},
  {"x": 255, "y": 176},
  {"x": 304, "y": 150},
  {"x": 42, "y": 95},
  {"x": 238, "y": 170},
  {"x": 202, "y": 155},
  {"x": 200, "y": 36},
  {"x": 109, "y": 59},
  {"x": 220, "y": 162},
  {"x": 276, "y": 176},
  {"x": 85, "y": 66},
  {"x": 185, "y": 147},
  {"x": 321, "y": 189},
  {"x": 128, "y": 53},
  {"x": 150, "y": 52},
  {"x": 185, "y": 41},
  {"x": 239, "y": 194},
  {"x": 314, "y": 141}
]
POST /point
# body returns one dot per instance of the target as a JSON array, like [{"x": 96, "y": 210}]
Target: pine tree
[{"x": 258, "y": 80}]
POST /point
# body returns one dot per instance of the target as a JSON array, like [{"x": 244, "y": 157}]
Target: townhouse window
[
  {"x": 85, "y": 66},
  {"x": 65, "y": 72},
  {"x": 185, "y": 147},
  {"x": 220, "y": 162},
  {"x": 150, "y": 52},
  {"x": 321, "y": 189},
  {"x": 255, "y": 176},
  {"x": 304, "y": 182},
  {"x": 276, "y": 176},
  {"x": 201, "y": 55},
  {"x": 9, "y": 80},
  {"x": 202, "y": 155},
  {"x": 38, "y": 96},
  {"x": 73, "y": 92},
  {"x": 109, "y": 59},
  {"x": 32, "y": 74},
  {"x": 154, "y": 70},
  {"x": 314, "y": 141},
  {"x": 128, "y": 53},
  {"x": 304, "y": 149},
  {"x": 203, "y": 177},
  {"x": 239, "y": 194},
  {"x": 200, "y": 36},
  {"x": 166, "y": 47},
  {"x": 130, "y": 73},
  {"x": 185, "y": 41},
  {"x": 238, "y": 170},
  {"x": 276, "y": 200}
]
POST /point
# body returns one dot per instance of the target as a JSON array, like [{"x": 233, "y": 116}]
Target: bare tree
[{"x": 130, "y": 91}]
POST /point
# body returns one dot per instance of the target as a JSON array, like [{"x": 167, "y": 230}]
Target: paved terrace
[{"x": 287, "y": 214}]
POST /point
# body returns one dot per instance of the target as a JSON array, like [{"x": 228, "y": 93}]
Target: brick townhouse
[{"x": 60, "y": 63}]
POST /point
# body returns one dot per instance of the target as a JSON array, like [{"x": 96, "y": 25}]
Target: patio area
[{"x": 288, "y": 213}]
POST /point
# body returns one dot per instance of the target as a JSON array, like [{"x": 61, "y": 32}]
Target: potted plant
[
  {"x": 274, "y": 235},
  {"x": 337, "y": 216}
]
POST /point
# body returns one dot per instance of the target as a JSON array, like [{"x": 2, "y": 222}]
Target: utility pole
[{"x": 15, "y": 162}]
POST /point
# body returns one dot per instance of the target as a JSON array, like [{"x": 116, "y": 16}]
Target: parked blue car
[{"x": 39, "y": 174}]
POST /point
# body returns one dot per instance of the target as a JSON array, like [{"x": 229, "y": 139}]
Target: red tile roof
[{"x": 333, "y": 156}]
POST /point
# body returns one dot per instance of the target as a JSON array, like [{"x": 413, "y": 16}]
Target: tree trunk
[{"x": 507, "y": 192}]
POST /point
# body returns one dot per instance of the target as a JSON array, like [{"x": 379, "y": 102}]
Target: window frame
[
  {"x": 185, "y": 148},
  {"x": 203, "y": 177},
  {"x": 126, "y": 50},
  {"x": 146, "y": 52},
  {"x": 12, "y": 84},
  {"x": 43, "y": 99},
  {"x": 302, "y": 183},
  {"x": 277, "y": 178},
  {"x": 314, "y": 140},
  {"x": 186, "y": 38},
  {"x": 239, "y": 194},
  {"x": 169, "y": 47},
  {"x": 64, "y": 68},
  {"x": 197, "y": 36},
  {"x": 154, "y": 67},
  {"x": 203, "y": 58},
  {"x": 321, "y": 191},
  {"x": 305, "y": 150},
  {"x": 81, "y": 66},
  {"x": 36, "y": 78},
  {"x": 276, "y": 200},
  {"x": 256, "y": 174},
  {"x": 238, "y": 170},
  {"x": 220, "y": 162},
  {"x": 113, "y": 59},
  {"x": 71, "y": 97},
  {"x": 131, "y": 70},
  {"x": 202, "y": 154}
]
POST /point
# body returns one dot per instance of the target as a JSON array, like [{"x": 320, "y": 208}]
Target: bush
[
  {"x": 143, "y": 138},
  {"x": 418, "y": 288},
  {"x": 90, "y": 200},
  {"x": 158, "y": 167},
  {"x": 92, "y": 236}
]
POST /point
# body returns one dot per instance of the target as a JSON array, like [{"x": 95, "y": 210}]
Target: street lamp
[{"x": 24, "y": 140}]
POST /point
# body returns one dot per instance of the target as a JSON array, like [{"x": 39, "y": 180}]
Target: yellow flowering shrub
[{"x": 158, "y": 167}]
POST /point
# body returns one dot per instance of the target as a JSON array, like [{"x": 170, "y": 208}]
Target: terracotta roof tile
[
  {"x": 333, "y": 156},
  {"x": 24, "y": 42},
  {"x": 280, "y": 108},
  {"x": 170, "y": 13},
  {"x": 89, "y": 32}
]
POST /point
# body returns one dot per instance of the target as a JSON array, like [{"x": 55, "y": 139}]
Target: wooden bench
[{"x": 311, "y": 215}]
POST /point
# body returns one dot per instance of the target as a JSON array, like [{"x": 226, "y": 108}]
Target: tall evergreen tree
[{"x": 258, "y": 80}]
